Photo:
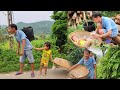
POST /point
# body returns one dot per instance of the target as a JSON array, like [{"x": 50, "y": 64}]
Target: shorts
[
  {"x": 114, "y": 34},
  {"x": 27, "y": 54},
  {"x": 44, "y": 63}
]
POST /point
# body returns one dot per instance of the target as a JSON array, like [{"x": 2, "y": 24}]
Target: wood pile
[
  {"x": 77, "y": 17},
  {"x": 117, "y": 21}
]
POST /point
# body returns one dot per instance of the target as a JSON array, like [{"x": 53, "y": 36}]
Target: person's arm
[
  {"x": 94, "y": 71},
  {"x": 51, "y": 59},
  {"x": 94, "y": 63},
  {"x": 23, "y": 46},
  {"x": 96, "y": 30},
  {"x": 106, "y": 34},
  {"x": 74, "y": 66},
  {"x": 108, "y": 27},
  {"x": 18, "y": 47},
  {"x": 23, "y": 38},
  {"x": 40, "y": 48}
]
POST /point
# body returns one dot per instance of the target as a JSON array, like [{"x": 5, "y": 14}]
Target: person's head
[
  {"x": 47, "y": 45},
  {"x": 75, "y": 38},
  {"x": 86, "y": 53},
  {"x": 12, "y": 28},
  {"x": 99, "y": 26},
  {"x": 91, "y": 54},
  {"x": 97, "y": 17}
]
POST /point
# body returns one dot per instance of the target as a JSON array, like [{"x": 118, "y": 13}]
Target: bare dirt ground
[{"x": 58, "y": 73}]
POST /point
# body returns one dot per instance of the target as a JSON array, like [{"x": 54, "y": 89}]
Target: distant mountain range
[{"x": 38, "y": 27}]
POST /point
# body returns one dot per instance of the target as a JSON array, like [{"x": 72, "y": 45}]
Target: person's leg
[
  {"x": 116, "y": 40},
  {"x": 41, "y": 67},
  {"x": 31, "y": 61},
  {"x": 21, "y": 67},
  {"x": 22, "y": 58},
  {"x": 45, "y": 67},
  {"x": 45, "y": 70},
  {"x": 32, "y": 67}
]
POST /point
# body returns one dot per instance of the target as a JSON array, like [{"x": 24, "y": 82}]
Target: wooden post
[{"x": 11, "y": 39}]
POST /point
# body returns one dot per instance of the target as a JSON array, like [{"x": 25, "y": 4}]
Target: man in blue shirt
[
  {"x": 26, "y": 49},
  {"x": 109, "y": 26},
  {"x": 88, "y": 62}
]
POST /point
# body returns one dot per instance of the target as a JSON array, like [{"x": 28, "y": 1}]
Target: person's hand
[
  {"x": 101, "y": 36},
  {"x": 34, "y": 48},
  {"x": 97, "y": 36},
  {"x": 21, "y": 53},
  {"x": 94, "y": 76},
  {"x": 69, "y": 69}
]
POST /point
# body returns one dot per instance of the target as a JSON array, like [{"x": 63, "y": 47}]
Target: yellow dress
[
  {"x": 82, "y": 42},
  {"x": 45, "y": 57}
]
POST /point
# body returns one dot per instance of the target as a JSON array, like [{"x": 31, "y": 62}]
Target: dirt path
[{"x": 58, "y": 73}]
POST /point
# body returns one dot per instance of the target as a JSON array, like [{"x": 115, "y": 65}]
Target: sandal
[
  {"x": 19, "y": 73},
  {"x": 32, "y": 75}
]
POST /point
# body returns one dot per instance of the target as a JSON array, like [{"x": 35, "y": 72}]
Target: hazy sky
[{"x": 26, "y": 16}]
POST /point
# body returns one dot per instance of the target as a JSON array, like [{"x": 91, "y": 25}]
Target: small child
[
  {"x": 81, "y": 41},
  {"x": 46, "y": 56},
  {"x": 89, "y": 62},
  {"x": 86, "y": 42},
  {"x": 92, "y": 55}
]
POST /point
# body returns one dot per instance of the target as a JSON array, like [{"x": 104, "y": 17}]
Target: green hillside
[{"x": 38, "y": 27}]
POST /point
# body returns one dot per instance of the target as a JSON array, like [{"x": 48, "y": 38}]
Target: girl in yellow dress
[{"x": 46, "y": 56}]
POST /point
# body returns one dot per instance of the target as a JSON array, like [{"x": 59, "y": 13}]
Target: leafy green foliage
[
  {"x": 109, "y": 65},
  {"x": 59, "y": 28},
  {"x": 73, "y": 54},
  {"x": 110, "y": 13}
]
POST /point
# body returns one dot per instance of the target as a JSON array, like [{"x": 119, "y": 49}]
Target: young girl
[
  {"x": 46, "y": 56},
  {"x": 88, "y": 62}
]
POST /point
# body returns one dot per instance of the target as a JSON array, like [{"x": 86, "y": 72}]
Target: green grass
[{"x": 9, "y": 61}]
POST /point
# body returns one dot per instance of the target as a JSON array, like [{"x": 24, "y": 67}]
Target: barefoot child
[
  {"x": 89, "y": 62},
  {"x": 46, "y": 56},
  {"x": 86, "y": 42}
]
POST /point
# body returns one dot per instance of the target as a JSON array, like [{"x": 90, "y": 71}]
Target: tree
[{"x": 59, "y": 28}]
